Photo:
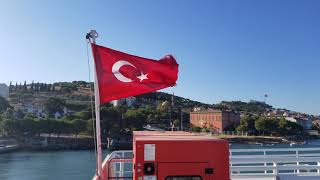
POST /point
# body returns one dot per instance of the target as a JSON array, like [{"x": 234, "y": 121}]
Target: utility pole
[{"x": 181, "y": 121}]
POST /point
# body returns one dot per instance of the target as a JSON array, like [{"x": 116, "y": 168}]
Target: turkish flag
[{"x": 121, "y": 75}]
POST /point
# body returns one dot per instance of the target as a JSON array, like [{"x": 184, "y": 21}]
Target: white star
[{"x": 142, "y": 76}]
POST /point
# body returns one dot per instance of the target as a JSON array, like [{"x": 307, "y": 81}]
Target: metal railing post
[
  {"x": 275, "y": 171},
  {"x": 297, "y": 156},
  {"x": 265, "y": 163}
]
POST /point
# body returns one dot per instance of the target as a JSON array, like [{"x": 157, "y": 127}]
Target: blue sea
[{"x": 54, "y": 165}]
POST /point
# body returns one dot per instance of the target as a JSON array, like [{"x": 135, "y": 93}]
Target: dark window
[{"x": 183, "y": 178}]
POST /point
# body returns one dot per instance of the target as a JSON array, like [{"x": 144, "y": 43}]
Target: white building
[
  {"x": 306, "y": 123},
  {"x": 38, "y": 110}
]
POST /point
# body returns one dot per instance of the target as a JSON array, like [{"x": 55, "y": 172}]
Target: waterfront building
[
  {"x": 306, "y": 123},
  {"x": 217, "y": 120}
]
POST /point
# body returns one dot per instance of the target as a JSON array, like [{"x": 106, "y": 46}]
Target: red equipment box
[{"x": 179, "y": 156}]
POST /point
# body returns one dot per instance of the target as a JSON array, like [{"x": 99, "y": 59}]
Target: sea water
[{"x": 53, "y": 165}]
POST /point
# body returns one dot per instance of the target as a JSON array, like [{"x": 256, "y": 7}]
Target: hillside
[
  {"x": 78, "y": 93},
  {"x": 65, "y": 108},
  {"x": 254, "y": 107}
]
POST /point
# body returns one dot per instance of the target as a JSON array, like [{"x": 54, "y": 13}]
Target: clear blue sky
[{"x": 227, "y": 50}]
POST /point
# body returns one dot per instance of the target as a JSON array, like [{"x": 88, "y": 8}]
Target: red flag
[{"x": 122, "y": 75}]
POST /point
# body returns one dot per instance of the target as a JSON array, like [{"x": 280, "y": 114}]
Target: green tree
[
  {"x": 4, "y": 104},
  {"x": 30, "y": 124},
  {"x": 136, "y": 118},
  {"x": 85, "y": 114},
  {"x": 62, "y": 127},
  {"x": 247, "y": 123},
  {"x": 54, "y": 105},
  {"x": 37, "y": 86},
  {"x": 6, "y": 127},
  {"x": 42, "y": 125},
  {"x": 10, "y": 87},
  {"x": 294, "y": 128},
  {"x": 283, "y": 123},
  {"x": 268, "y": 126},
  {"x": 32, "y": 86},
  {"x": 47, "y": 126},
  {"x": 110, "y": 120},
  {"x": 8, "y": 114},
  {"x": 261, "y": 124},
  {"x": 12, "y": 127},
  {"x": 25, "y": 88},
  {"x": 78, "y": 126}
]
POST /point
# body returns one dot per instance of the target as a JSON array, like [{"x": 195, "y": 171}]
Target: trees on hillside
[
  {"x": 247, "y": 123},
  {"x": 253, "y": 107},
  {"x": 12, "y": 127},
  {"x": 269, "y": 126},
  {"x": 54, "y": 105},
  {"x": 111, "y": 119},
  {"x": 135, "y": 118},
  {"x": 33, "y": 87},
  {"x": 30, "y": 124},
  {"x": 78, "y": 126},
  {"x": 4, "y": 104},
  {"x": 152, "y": 108}
]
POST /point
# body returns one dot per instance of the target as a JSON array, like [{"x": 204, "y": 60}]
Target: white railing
[
  {"x": 244, "y": 163},
  {"x": 275, "y": 161}
]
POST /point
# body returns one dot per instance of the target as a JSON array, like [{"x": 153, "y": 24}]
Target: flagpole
[
  {"x": 93, "y": 35},
  {"x": 171, "y": 109}
]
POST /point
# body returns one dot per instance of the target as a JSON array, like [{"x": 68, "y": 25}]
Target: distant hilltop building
[
  {"x": 4, "y": 91},
  {"x": 257, "y": 102},
  {"x": 217, "y": 120}
]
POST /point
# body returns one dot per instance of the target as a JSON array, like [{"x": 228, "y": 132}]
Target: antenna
[{"x": 92, "y": 35}]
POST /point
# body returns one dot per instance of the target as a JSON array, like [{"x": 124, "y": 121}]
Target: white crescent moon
[{"x": 115, "y": 70}]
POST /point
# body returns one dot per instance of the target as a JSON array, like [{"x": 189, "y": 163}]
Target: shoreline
[{"x": 87, "y": 143}]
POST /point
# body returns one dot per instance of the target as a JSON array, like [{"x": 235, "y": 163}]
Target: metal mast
[{"x": 93, "y": 35}]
